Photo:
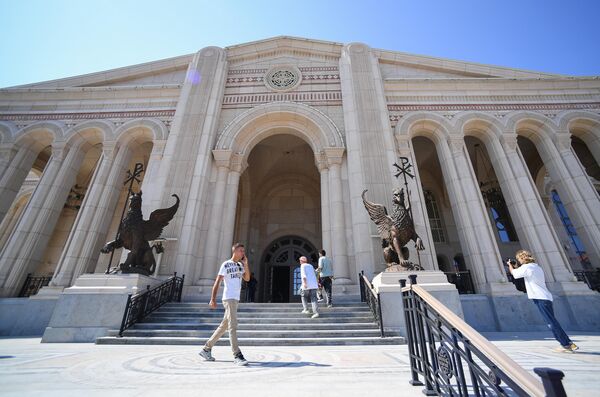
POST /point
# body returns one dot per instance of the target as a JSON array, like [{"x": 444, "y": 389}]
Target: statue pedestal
[
  {"x": 93, "y": 305},
  {"x": 387, "y": 284}
]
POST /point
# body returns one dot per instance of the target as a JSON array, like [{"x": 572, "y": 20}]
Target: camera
[{"x": 513, "y": 262}]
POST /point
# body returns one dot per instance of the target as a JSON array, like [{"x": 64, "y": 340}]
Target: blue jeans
[{"x": 545, "y": 307}]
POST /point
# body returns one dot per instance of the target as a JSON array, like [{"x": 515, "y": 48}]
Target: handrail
[
  {"x": 373, "y": 299},
  {"x": 429, "y": 323},
  {"x": 141, "y": 304},
  {"x": 33, "y": 284}
]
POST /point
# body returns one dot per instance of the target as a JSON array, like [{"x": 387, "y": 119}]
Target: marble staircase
[{"x": 260, "y": 324}]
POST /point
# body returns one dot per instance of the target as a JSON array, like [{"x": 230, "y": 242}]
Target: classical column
[
  {"x": 152, "y": 194},
  {"x": 27, "y": 244},
  {"x": 527, "y": 212},
  {"x": 477, "y": 240},
  {"x": 211, "y": 255},
  {"x": 575, "y": 190},
  {"x": 321, "y": 161},
  {"x": 370, "y": 148},
  {"x": 229, "y": 210},
  {"x": 186, "y": 165},
  {"x": 82, "y": 248},
  {"x": 7, "y": 152},
  {"x": 418, "y": 206},
  {"x": 14, "y": 175},
  {"x": 338, "y": 220}
]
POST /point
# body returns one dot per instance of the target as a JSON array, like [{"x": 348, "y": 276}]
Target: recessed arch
[
  {"x": 430, "y": 125},
  {"x": 260, "y": 122},
  {"x": 41, "y": 134},
  {"x": 483, "y": 126},
  {"x": 103, "y": 130},
  {"x": 534, "y": 126},
  {"x": 142, "y": 130},
  {"x": 8, "y": 130}
]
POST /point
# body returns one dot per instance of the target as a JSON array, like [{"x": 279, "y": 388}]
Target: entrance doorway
[{"x": 282, "y": 270}]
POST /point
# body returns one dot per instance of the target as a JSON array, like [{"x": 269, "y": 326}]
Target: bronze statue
[
  {"x": 135, "y": 232},
  {"x": 395, "y": 231}
]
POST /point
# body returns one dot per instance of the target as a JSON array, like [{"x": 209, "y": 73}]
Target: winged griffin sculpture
[
  {"x": 135, "y": 232},
  {"x": 395, "y": 231}
]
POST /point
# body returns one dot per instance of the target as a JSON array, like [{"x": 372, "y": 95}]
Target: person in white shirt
[
  {"x": 231, "y": 273},
  {"x": 326, "y": 275},
  {"x": 309, "y": 286},
  {"x": 535, "y": 283}
]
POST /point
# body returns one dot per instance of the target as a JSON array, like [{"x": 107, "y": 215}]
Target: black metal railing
[
  {"x": 453, "y": 359},
  {"x": 590, "y": 277},
  {"x": 462, "y": 280},
  {"x": 33, "y": 284},
  {"x": 373, "y": 299},
  {"x": 141, "y": 304}
]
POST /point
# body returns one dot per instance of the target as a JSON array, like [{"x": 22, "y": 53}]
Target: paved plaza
[{"x": 28, "y": 368}]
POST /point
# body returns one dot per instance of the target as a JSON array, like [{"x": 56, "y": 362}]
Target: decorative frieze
[{"x": 86, "y": 115}]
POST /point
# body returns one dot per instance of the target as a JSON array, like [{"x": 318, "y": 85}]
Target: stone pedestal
[
  {"x": 94, "y": 305},
  {"x": 388, "y": 286}
]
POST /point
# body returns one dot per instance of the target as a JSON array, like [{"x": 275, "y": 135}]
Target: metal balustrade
[
  {"x": 590, "y": 277},
  {"x": 33, "y": 284},
  {"x": 142, "y": 304},
  {"x": 373, "y": 299},
  {"x": 450, "y": 358}
]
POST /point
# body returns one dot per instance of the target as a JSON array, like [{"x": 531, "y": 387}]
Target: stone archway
[
  {"x": 269, "y": 129},
  {"x": 281, "y": 281}
]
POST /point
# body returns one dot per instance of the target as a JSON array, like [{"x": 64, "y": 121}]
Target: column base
[
  {"x": 93, "y": 306},
  {"x": 387, "y": 284},
  {"x": 570, "y": 288}
]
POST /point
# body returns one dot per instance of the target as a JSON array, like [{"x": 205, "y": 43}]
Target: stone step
[
  {"x": 266, "y": 326},
  {"x": 291, "y": 309},
  {"x": 357, "y": 305},
  {"x": 241, "y": 315},
  {"x": 205, "y": 334},
  {"x": 394, "y": 340},
  {"x": 155, "y": 318}
]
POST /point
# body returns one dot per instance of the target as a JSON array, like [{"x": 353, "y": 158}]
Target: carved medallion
[{"x": 283, "y": 78}]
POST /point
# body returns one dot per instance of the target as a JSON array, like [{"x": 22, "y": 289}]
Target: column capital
[
  {"x": 562, "y": 141},
  {"x": 334, "y": 155},
  {"x": 402, "y": 143},
  {"x": 238, "y": 163},
  {"x": 321, "y": 162},
  {"x": 509, "y": 141},
  {"x": 456, "y": 144},
  {"x": 222, "y": 157},
  {"x": 60, "y": 150},
  {"x": 108, "y": 148},
  {"x": 158, "y": 146}
]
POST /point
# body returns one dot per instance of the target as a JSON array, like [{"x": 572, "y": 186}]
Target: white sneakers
[{"x": 315, "y": 315}]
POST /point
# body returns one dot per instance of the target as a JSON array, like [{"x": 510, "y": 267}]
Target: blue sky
[{"x": 43, "y": 40}]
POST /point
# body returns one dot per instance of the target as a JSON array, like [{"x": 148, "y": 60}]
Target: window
[
  {"x": 494, "y": 200},
  {"x": 435, "y": 219},
  {"x": 297, "y": 281},
  {"x": 569, "y": 228}
]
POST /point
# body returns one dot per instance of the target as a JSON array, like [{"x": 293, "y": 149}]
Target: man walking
[
  {"x": 309, "y": 287},
  {"x": 231, "y": 273},
  {"x": 535, "y": 282},
  {"x": 326, "y": 275}
]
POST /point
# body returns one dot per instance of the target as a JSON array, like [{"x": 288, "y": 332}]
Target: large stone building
[{"x": 272, "y": 143}]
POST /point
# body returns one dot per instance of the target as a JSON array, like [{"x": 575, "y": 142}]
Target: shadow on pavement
[{"x": 291, "y": 364}]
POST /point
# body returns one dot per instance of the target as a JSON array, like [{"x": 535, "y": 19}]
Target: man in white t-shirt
[
  {"x": 231, "y": 273},
  {"x": 535, "y": 283},
  {"x": 309, "y": 286}
]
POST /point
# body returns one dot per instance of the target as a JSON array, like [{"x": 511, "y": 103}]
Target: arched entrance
[{"x": 281, "y": 269}]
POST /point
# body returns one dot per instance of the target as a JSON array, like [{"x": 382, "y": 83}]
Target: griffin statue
[
  {"x": 135, "y": 232},
  {"x": 395, "y": 231}
]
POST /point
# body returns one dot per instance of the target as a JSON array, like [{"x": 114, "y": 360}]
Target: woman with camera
[{"x": 535, "y": 282}]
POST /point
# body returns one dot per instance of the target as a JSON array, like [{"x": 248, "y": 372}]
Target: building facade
[{"x": 271, "y": 143}]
